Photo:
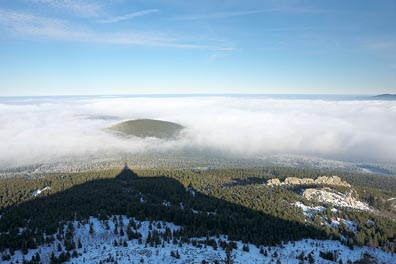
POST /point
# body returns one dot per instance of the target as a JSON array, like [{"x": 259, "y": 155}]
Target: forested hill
[{"x": 147, "y": 128}]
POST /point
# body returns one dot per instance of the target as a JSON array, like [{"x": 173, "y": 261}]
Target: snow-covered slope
[{"x": 98, "y": 246}]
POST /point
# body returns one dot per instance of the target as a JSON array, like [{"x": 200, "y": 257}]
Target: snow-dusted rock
[{"x": 330, "y": 196}]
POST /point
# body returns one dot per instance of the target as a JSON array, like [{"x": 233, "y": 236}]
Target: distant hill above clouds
[
  {"x": 147, "y": 128},
  {"x": 384, "y": 97}
]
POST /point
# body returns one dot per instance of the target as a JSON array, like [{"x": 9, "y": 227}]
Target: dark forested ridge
[
  {"x": 384, "y": 97},
  {"x": 235, "y": 202}
]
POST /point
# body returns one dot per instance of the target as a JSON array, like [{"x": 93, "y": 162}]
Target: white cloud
[
  {"x": 255, "y": 127},
  {"x": 129, "y": 16}
]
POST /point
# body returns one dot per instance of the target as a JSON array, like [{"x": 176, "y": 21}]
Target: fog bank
[{"x": 47, "y": 129}]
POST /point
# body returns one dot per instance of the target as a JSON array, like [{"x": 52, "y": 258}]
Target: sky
[{"x": 91, "y": 47}]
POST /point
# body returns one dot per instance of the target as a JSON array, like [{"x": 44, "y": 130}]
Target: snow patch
[
  {"x": 191, "y": 190},
  {"x": 351, "y": 225},
  {"x": 309, "y": 210},
  {"x": 38, "y": 191},
  {"x": 166, "y": 203}
]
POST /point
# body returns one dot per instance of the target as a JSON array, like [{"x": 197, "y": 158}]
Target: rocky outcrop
[
  {"x": 327, "y": 195},
  {"x": 322, "y": 180},
  {"x": 393, "y": 203},
  {"x": 295, "y": 180},
  {"x": 333, "y": 180},
  {"x": 274, "y": 182}
]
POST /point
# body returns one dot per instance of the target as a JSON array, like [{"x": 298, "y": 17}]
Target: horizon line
[{"x": 195, "y": 94}]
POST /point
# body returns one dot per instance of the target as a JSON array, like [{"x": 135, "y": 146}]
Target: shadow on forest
[
  {"x": 145, "y": 198},
  {"x": 244, "y": 182}
]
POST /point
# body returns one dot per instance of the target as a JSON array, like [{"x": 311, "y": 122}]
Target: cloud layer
[{"x": 44, "y": 129}]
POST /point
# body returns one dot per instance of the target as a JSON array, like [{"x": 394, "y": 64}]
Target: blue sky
[{"x": 66, "y": 47}]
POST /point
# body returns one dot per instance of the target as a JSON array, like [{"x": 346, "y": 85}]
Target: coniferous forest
[{"x": 205, "y": 203}]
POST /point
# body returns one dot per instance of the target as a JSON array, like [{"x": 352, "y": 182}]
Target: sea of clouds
[{"x": 46, "y": 129}]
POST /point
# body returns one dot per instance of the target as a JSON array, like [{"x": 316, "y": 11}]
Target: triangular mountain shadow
[
  {"x": 127, "y": 173},
  {"x": 145, "y": 198}
]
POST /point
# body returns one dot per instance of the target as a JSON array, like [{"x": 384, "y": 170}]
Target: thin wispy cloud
[
  {"x": 388, "y": 45},
  {"x": 78, "y": 7},
  {"x": 383, "y": 48},
  {"x": 301, "y": 10},
  {"x": 29, "y": 25},
  {"x": 220, "y": 15},
  {"x": 129, "y": 16},
  {"x": 230, "y": 14}
]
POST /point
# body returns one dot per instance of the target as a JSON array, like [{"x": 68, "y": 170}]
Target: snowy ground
[
  {"x": 99, "y": 246},
  {"x": 310, "y": 210}
]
